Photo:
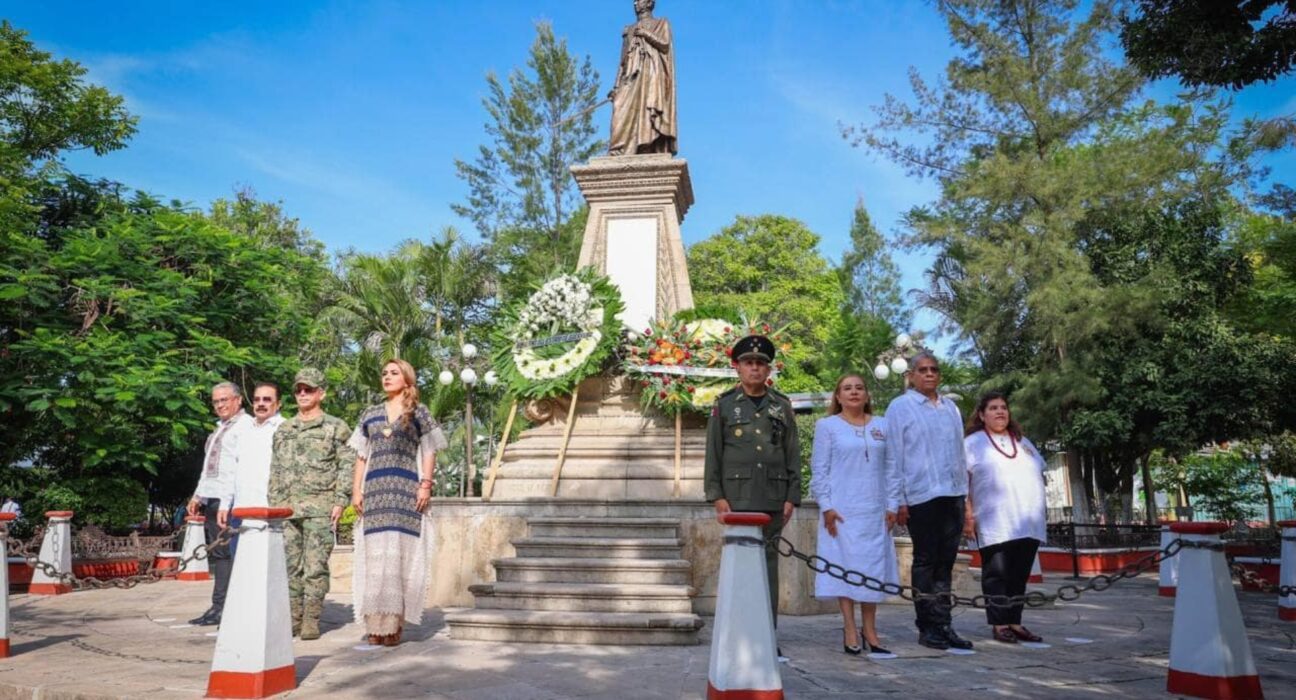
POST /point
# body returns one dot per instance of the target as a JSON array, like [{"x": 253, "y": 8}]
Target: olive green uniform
[
  {"x": 753, "y": 460},
  {"x": 310, "y": 472}
]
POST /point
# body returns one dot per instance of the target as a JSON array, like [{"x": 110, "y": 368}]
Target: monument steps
[
  {"x": 583, "y": 597},
  {"x": 603, "y": 527},
  {"x": 567, "y": 627},
  {"x": 576, "y": 469},
  {"x": 602, "y": 547},
  {"x": 587, "y": 581}
]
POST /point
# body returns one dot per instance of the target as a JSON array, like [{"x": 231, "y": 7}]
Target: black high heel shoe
[
  {"x": 852, "y": 650},
  {"x": 875, "y": 649}
]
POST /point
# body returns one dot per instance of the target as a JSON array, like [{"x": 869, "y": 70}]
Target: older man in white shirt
[
  {"x": 925, "y": 447},
  {"x": 220, "y": 464},
  {"x": 252, "y": 476}
]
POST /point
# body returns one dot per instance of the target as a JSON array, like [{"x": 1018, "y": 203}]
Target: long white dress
[{"x": 849, "y": 476}]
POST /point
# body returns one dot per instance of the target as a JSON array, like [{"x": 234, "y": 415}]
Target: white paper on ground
[
  {"x": 165, "y": 619},
  {"x": 367, "y": 647},
  {"x": 213, "y": 634},
  {"x": 875, "y": 655},
  {"x": 961, "y": 652},
  {"x": 1079, "y": 640},
  {"x": 177, "y": 627},
  {"x": 1036, "y": 645}
]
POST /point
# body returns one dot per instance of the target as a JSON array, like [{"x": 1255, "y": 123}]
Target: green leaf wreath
[{"x": 562, "y": 334}]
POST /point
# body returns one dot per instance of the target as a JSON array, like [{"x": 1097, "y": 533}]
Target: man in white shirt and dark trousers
[
  {"x": 255, "y": 446},
  {"x": 925, "y": 432},
  {"x": 220, "y": 465}
]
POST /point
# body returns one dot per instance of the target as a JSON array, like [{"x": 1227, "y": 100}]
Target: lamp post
[
  {"x": 892, "y": 360},
  {"x": 468, "y": 376}
]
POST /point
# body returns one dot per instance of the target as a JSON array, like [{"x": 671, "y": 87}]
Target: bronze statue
[{"x": 643, "y": 97}]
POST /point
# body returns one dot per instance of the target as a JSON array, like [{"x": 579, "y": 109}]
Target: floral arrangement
[
  {"x": 559, "y": 336},
  {"x": 685, "y": 366}
]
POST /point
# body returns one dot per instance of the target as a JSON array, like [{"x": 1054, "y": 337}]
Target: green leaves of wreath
[{"x": 563, "y": 333}]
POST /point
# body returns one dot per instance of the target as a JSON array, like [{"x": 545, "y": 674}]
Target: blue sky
[{"x": 352, "y": 113}]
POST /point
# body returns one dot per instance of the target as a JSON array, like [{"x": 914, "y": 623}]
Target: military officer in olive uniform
[
  {"x": 753, "y": 459},
  {"x": 310, "y": 472}
]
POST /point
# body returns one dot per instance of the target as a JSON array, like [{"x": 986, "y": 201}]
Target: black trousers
[
  {"x": 1005, "y": 569},
  {"x": 219, "y": 561},
  {"x": 935, "y": 526},
  {"x": 772, "y": 557}
]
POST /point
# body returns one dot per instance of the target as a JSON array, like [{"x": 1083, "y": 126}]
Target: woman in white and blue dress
[{"x": 858, "y": 499}]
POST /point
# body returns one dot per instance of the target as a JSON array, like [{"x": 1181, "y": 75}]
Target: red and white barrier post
[
  {"x": 1168, "y": 571},
  {"x": 1210, "y": 656},
  {"x": 195, "y": 537},
  {"x": 1287, "y": 571},
  {"x": 5, "y": 519},
  {"x": 56, "y": 549},
  {"x": 1037, "y": 573},
  {"x": 254, "y": 655},
  {"x": 744, "y": 652}
]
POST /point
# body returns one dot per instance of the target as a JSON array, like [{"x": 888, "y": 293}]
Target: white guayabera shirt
[{"x": 925, "y": 446}]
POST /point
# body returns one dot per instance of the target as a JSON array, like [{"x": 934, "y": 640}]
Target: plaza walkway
[{"x": 133, "y": 643}]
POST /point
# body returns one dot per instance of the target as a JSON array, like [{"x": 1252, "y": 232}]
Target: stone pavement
[{"x": 133, "y": 643}]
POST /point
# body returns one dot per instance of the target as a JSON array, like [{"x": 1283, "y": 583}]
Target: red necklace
[{"x": 999, "y": 449}]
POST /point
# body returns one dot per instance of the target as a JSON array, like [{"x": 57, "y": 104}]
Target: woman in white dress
[
  {"x": 858, "y": 499},
  {"x": 1006, "y": 497}
]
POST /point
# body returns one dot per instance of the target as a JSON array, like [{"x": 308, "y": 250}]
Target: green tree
[
  {"x": 1212, "y": 43},
  {"x": 869, "y": 275},
  {"x": 521, "y": 195},
  {"x": 1034, "y": 136},
  {"x": 770, "y": 269}
]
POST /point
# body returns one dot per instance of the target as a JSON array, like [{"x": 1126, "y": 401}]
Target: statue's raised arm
[{"x": 643, "y": 97}]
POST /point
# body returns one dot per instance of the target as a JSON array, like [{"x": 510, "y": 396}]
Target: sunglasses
[{"x": 299, "y": 390}]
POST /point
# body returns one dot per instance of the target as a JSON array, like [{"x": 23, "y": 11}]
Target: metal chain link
[
  {"x": 1251, "y": 578},
  {"x": 152, "y": 575},
  {"x": 1032, "y": 599}
]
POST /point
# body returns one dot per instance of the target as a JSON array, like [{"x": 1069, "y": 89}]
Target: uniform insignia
[{"x": 737, "y": 432}]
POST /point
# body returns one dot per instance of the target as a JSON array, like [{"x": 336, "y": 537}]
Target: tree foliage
[
  {"x": 1212, "y": 43},
  {"x": 770, "y": 269},
  {"x": 521, "y": 195}
]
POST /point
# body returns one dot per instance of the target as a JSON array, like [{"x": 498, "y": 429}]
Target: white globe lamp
[
  {"x": 899, "y": 366},
  {"x": 468, "y": 376},
  {"x": 469, "y": 351},
  {"x": 491, "y": 378},
  {"x": 445, "y": 377},
  {"x": 881, "y": 372}
]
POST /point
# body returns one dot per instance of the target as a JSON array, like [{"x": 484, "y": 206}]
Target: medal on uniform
[{"x": 737, "y": 432}]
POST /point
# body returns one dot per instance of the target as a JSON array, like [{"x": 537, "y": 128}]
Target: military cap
[
  {"x": 754, "y": 346},
  {"x": 309, "y": 376}
]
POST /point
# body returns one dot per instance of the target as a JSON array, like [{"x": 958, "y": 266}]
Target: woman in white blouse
[
  {"x": 858, "y": 500},
  {"x": 1006, "y": 498}
]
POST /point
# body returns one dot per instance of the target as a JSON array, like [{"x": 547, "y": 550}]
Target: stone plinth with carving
[{"x": 633, "y": 233}]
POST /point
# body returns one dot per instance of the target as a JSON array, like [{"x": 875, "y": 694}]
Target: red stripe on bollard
[
  {"x": 714, "y": 693},
  {"x": 757, "y": 519},
  {"x": 1166, "y": 591},
  {"x": 262, "y": 513},
  {"x": 1287, "y": 614},
  {"x": 232, "y": 684},
  {"x": 1234, "y": 687}
]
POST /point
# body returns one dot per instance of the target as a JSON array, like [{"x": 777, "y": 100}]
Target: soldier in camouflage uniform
[
  {"x": 310, "y": 472},
  {"x": 753, "y": 457}
]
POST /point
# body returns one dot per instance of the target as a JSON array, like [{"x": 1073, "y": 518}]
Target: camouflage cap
[
  {"x": 755, "y": 347},
  {"x": 309, "y": 376}
]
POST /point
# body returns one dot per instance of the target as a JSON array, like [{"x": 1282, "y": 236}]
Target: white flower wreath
[{"x": 563, "y": 305}]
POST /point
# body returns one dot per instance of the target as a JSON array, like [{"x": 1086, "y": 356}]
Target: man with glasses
[
  {"x": 925, "y": 430},
  {"x": 248, "y": 487},
  {"x": 220, "y": 464},
  {"x": 311, "y": 473}
]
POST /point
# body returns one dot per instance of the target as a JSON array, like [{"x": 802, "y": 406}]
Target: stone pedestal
[
  {"x": 617, "y": 452},
  {"x": 633, "y": 233}
]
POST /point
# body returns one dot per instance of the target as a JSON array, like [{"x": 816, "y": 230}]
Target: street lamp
[{"x": 469, "y": 378}]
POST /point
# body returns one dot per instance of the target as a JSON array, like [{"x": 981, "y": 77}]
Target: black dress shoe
[
  {"x": 200, "y": 620},
  {"x": 933, "y": 639},
  {"x": 1004, "y": 635},
  {"x": 955, "y": 641},
  {"x": 212, "y": 619}
]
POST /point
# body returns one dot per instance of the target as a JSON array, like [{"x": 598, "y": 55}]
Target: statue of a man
[{"x": 643, "y": 97}]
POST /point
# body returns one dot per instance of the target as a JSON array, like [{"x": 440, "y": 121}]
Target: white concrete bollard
[
  {"x": 1210, "y": 656},
  {"x": 56, "y": 549},
  {"x": 254, "y": 655},
  {"x": 1287, "y": 572},
  {"x": 1168, "y": 571},
  {"x": 5, "y": 519},
  {"x": 194, "y": 537},
  {"x": 1037, "y": 573},
  {"x": 744, "y": 652}
]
